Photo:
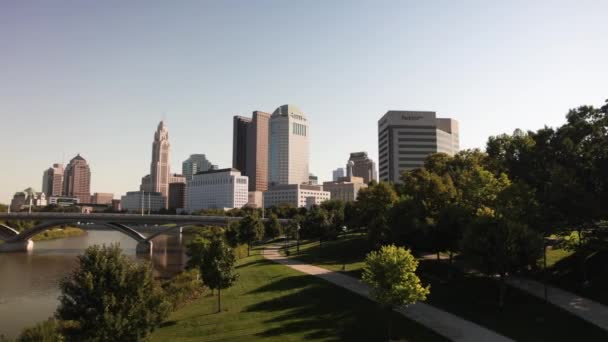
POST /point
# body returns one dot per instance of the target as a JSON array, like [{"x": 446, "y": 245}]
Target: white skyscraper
[
  {"x": 160, "y": 168},
  {"x": 288, "y": 150}
]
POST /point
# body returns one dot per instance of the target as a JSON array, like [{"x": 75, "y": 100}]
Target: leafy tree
[
  {"x": 215, "y": 260},
  {"x": 46, "y": 331},
  {"x": 251, "y": 229},
  {"x": 232, "y": 234},
  {"x": 273, "y": 227},
  {"x": 336, "y": 219},
  {"x": 373, "y": 205},
  {"x": 109, "y": 297},
  {"x": 391, "y": 274},
  {"x": 316, "y": 224}
]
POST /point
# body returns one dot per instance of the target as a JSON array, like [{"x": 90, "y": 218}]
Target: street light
[{"x": 298, "y": 239}]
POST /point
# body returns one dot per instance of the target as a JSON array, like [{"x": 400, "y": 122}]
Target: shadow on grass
[{"x": 323, "y": 311}]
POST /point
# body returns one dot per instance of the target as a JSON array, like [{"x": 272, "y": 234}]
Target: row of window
[{"x": 299, "y": 129}]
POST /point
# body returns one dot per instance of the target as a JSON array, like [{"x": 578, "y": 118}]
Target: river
[{"x": 29, "y": 282}]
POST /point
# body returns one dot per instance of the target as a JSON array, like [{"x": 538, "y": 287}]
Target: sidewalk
[
  {"x": 584, "y": 308},
  {"x": 442, "y": 322}
]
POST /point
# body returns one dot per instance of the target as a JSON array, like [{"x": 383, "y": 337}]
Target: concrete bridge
[{"x": 21, "y": 241}]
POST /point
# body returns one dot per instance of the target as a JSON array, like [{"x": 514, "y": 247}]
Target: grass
[
  {"x": 554, "y": 255},
  {"x": 59, "y": 233},
  {"x": 271, "y": 302},
  {"x": 470, "y": 296}
]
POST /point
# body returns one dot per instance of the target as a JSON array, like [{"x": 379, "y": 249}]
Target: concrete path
[
  {"x": 584, "y": 308},
  {"x": 442, "y": 322}
]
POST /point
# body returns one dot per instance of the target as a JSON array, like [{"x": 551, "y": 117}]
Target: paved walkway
[
  {"x": 584, "y": 308},
  {"x": 442, "y": 322}
]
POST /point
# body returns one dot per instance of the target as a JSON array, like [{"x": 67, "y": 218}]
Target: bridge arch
[{"x": 7, "y": 232}]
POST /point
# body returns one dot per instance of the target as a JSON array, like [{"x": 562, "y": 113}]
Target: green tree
[
  {"x": 215, "y": 260},
  {"x": 251, "y": 230},
  {"x": 109, "y": 297},
  {"x": 231, "y": 234},
  {"x": 373, "y": 206},
  {"x": 46, "y": 331},
  {"x": 391, "y": 275},
  {"x": 273, "y": 227},
  {"x": 316, "y": 224}
]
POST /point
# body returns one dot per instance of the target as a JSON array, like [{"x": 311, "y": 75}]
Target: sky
[{"x": 96, "y": 77}]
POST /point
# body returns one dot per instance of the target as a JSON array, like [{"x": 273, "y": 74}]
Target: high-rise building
[
  {"x": 77, "y": 180},
  {"x": 312, "y": 179},
  {"x": 288, "y": 148},
  {"x": 297, "y": 195},
  {"x": 145, "y": 183},
  {"x": 337, "y": 173},
  {"x": 143, "y": 202},
  {"x": 160, "y": 168},
  {"x": 240, "y": 128},
  {"x": 363, "y": 167},
  {"x": 102, "y": 198},
  {"x": 195, "y": 164},
  {"x": 250, "y": 149},
  {"x": 345, "y": 188},
  {"x": 217, "y": 189},
  {"x": 406, "y": 138},
  {"x": 177, "y": 195},
  {"x": 52, "y": 181}
]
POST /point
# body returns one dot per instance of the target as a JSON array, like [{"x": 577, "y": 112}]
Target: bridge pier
[
  {"x": 17, "y": 246},
  {"x": 144, "y": 247}
]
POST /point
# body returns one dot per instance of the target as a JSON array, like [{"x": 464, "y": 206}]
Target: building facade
[
  {"x": 177, "y": 195},
  {"x": 297, "y": 195},
  {"x": 217, "y": 189},
  {"x": 63, "y": 201},
  {"x": 345, "y": 188},
  {"x": 363, "y": 167},
  {"x": 27, "y": 198},
  {"x": 143, "y": 202},
  {"x": 240, "y": 128},
  {"x": 77, "y": 180},
  {"x": 337, "y": 173},
  {"x": 288, "y": 153},
  {"x": 250, "y": 148},
  {"x": 195, "y": 164},
  {"x": 406, "y": 138},
  {"x": 52, "y": 180},
  {"x": 161, "y": 156},
  {"x": 102, "y": 198}
]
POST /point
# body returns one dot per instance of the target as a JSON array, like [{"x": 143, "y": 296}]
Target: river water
[{"x": 29, "y": 282}]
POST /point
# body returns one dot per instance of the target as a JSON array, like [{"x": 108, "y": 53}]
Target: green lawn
[
  {"x": 473, "y": 297},
  {"x": 271, "y": 302},
  {"x": 58, "y": 233}
]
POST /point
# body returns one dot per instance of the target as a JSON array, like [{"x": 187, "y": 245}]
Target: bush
[
  {"x": 183, "y": 288},
  {"x": 47, "y": 331}
]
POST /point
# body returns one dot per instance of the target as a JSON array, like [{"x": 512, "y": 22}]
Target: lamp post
[{"x": 298, "y": 239}]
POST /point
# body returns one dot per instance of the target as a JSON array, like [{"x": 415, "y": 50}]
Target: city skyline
[{"x": 100, "y": 97}]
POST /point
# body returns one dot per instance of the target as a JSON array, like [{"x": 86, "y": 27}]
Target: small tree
[
  {"x": 215, "y": 261},
  {"x": 273, "y": 227},
  {"x": 251, "y": 229},
  {"x": 109, "y": 297},
  {"x": 390, "y": 272}
]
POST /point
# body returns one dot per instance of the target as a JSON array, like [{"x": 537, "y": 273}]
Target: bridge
[{"x": 21, "y": 241}]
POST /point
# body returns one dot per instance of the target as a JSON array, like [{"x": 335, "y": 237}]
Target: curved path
[{"x": 442, "y": 322}]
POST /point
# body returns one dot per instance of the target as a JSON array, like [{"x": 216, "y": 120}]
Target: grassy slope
[
  {"x": 59, "y": 233},
  {"x": 271, "y": 302},
  {"x": 524, "y": 318}
]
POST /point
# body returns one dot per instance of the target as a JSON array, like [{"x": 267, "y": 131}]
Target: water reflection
[{"x": 29, "y": 281}]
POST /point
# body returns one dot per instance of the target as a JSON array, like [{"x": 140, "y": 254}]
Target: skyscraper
[
  {"x": 250, "y": 149},
  {"x": 240, "y": 129},
  {"x": 288, "y": 150},
  {"x": 77, "y": 180},
  {"x": 363, "y": 167},
  {"x": 406, "y": 138},
  {"x": 337, "y": 173},
  {"x": 194, "y": 164},
  {"x": 160, "y": 168},
  {"x": 52, "y": 181}
]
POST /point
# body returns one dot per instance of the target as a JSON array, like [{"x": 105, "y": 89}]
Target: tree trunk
[
  {"x": 546, "y": 274},
  {"x": 451, "y": 260},
  {"x": 219, "y": 300},
  {"x": 438, "y": 256},
  {"x": 248, "y": 248},
  {"x": 502, "y": 292},
  {"x": 389, "y": 322}
]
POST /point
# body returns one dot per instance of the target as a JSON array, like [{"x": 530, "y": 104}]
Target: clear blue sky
[{"x": 95, "y": 77}]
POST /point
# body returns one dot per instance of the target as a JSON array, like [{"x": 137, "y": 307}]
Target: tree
[
  {"x": 215, "y": 260},
  {"x": 109, "y": 297},
  {"x": 316, "y": 224},
  {"x": 391, "y": 274},
  {"x": 251, "y": 229},
  {"x": 336, "y": 220},
  {"x": 273, "y": 227},
  {"x": 373, "y": 206},
  {"x": 231, "y": 234}
]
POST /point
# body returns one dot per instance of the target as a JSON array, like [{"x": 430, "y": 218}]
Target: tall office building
[
  {"x": 77, "y": 180},
  {"x": 195, "y": 164},
  {"x": 250, "y": 149},
  {"x": 52, "y": 181},
  {"x": 288, "y": 148},
  {"x": 337, "y": 173},
  {"x": 363, "y": 167},
  {"x": 406, "y": 138},
  {"x": 102, "y": 198},
  {"x": 240, "y": 128},
  {"x": 160, "y": 168}
]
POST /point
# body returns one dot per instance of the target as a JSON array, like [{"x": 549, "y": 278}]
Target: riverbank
[{"x": 59, "y": 233}]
